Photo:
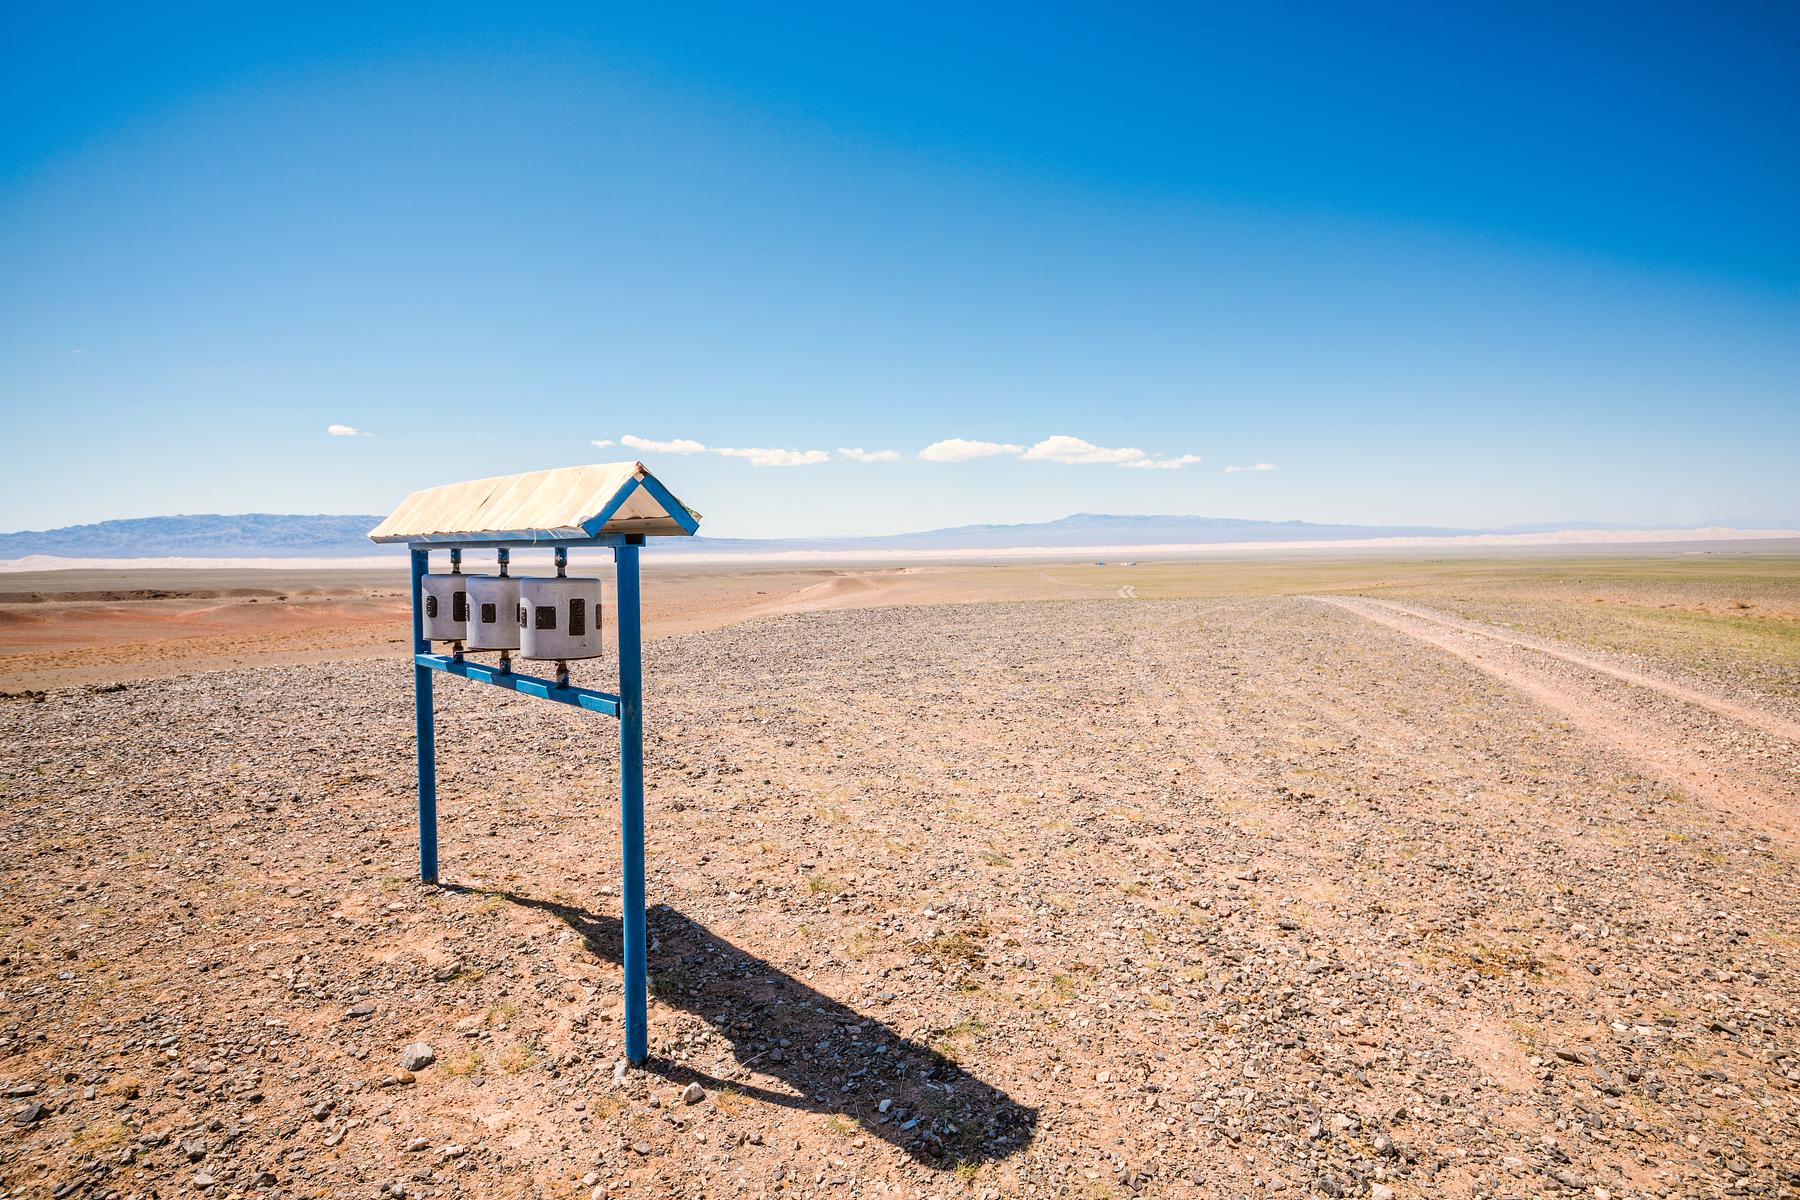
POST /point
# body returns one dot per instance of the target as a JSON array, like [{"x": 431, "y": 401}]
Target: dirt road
[
  {"x": 1080, "y": 898},
  {"x": 1685, "y": 736}
]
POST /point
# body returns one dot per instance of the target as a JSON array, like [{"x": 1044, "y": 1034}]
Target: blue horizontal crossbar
[{"x": 525, "y": 685}]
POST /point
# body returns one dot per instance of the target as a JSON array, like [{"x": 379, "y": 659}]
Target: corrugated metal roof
[{"x": 559, "y": 504}]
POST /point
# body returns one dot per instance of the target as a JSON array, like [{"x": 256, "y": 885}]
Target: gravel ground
[{"x": 1211, "y": 898}]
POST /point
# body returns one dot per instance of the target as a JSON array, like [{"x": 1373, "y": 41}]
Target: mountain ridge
[{"x": 296, "y": 535}]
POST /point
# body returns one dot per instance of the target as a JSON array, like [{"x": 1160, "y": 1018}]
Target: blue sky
[{"x": 1459, "y": 265}]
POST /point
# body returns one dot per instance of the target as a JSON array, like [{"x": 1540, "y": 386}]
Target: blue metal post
[
  {"x": 631, "y": 806},
  {"x": 428, "y": 867}
]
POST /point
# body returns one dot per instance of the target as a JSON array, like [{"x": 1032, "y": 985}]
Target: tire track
[
  {"x": 1768, "y": 722},
  {"x": 1665, "y": 747}
]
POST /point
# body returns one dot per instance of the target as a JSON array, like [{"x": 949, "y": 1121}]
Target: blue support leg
[
  {"x": 427, "y": 738},
  {"x": 631, "y": 807}
]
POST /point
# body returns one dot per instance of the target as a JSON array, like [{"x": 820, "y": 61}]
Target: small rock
[
  {"x": 693, "y": 1094},
  {"x": 31, "y": 1114},
  {"x": 1380, "y": 1191},
  {"x": 417, "y": 1057},
  {"x": 365, "y": 1009},
  {"x": 202, "y": 1180}
]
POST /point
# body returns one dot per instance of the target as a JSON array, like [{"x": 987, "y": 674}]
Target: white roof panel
[{"x": 541, "y": 506}]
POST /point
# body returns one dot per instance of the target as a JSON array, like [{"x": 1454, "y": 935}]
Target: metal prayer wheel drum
[
  {"x": 446, "y": 607},
  {"x": 493, "y": 612},
  {"x": 559, "y": 618}
]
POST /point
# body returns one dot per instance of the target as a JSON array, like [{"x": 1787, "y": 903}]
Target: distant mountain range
[
  {"x": 206, "y": 535},
  {"x": 259, "y": 535}
]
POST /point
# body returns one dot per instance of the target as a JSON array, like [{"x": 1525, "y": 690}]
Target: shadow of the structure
[{"x": 832, "y": 1059}]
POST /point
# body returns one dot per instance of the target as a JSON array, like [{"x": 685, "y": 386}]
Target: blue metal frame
[
  {"x": 631, "y": 803},
  {"x": 627, "y": 706},
  {"x": 423, "y": 724}
]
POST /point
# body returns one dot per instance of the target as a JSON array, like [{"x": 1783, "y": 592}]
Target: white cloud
[
  {"x": 1251, "y": 467},
  {"x": 858, "y": 454},
  {"x": 955, "y": 450},
  {"x": 675, "y": 446},
  {"x": 1163, "y": 464},
  {"x": 344, "y": 431},
  {"x": 1065, "y": 449},
  {"x": 602, "y": 443},
  {"x": 760, "y": 456}
]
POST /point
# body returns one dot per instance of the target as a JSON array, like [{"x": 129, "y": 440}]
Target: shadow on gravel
[{"x": 837, "y": 1060}]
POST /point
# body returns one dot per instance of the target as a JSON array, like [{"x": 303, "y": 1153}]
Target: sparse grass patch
[
  {"x": 666, "y": 985},
  {"x": 821, "y": 883},
  {"x": 959, "y": 947},
  {"x": 601, "y": 1106},
  {"x": 731, "y": 1100},
  {"x": 955, "y": 1040},
  {"x": 499, "y": 1013},
  {"x": 517, "y": 1057},
  {"x": 862, "y": 944},
  {"x": 469, "y": 1062},
  {"x": 92, "y": 1139},
  {"x": 841, "y": 1125},
  {"x": 1492, "y": 960}
]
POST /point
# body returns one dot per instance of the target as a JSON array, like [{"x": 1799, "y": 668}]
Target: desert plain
[{"x": 1309, "y": 876}]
